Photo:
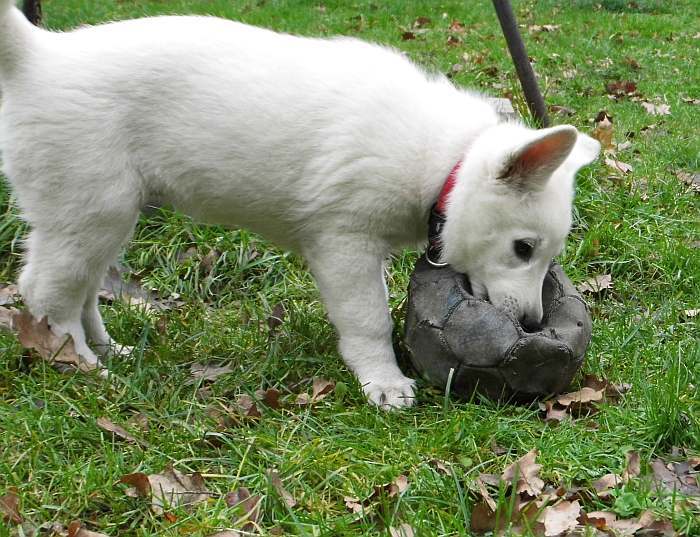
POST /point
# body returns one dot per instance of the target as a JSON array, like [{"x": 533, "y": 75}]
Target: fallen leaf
[
  {"x": 603, "y": 131},
  {"x": 656, "y": 109},
  {"x": 118, "y": 431},
  {"x": 422, "y": 22},
  {"x": 250, "y": 505},
  {"x": 276, "y": 318},
  {"x": 560, "y": 518},
  {"x": 632, "y": 466},
  {"x": 538, "y": 28},
  {"x": 457, "y": 27},
  {"x": 408, "y": 36},
  {"x": 625, "y": 527},
  {"x": 353, "y": 504},
  {"x": 9, "y": 295},
  {"x": 321, "y": 388},
  {"x": 453, "y": 40},
  {"x": 247, "y": 407},
  {"x": 483, "y": 518},
  {"x": 208, "y": 261},
  {"x": 404, "y": 530},
  {"x": 37, "y": 335},
  {"x": 595, "y": 284},
  {"x": 631, "y": 62},
  {"x": 271, "y": 397},
  {"x": 485, "y": 494},
  {"x": 690, "y": 100},
  {"x": 584, "y": 395},
  {"x": 561, "y": 110},
  {"x": 527, "y": 472},
  {"x": 621, "y": 88},
  {"x": 226, "y": 533},
  {"x": 600, "y": 519},
  {"x": 441, "y": 467},
  {"x": 169, "y": 488},
  {"x": 279, "y": 487},
  {"x": 605, "y": 484},
  {"x": 206, "y": 372},
  {"x": 671, "y": 478},
  {"x": 75, "y": 529},
  {"x": 618, "y": 165},
  {"x": 114, "y": 287},
  {"x": 7, "y": 316},
  {"x": 553, "y": 412},
  {"x": 690, "y": 179},
  {"x": 9, "y": 507},
  {"x": 691, "y": 314}
]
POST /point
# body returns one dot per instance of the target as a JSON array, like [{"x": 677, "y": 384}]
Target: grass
[{"x": 641, "y": 229}]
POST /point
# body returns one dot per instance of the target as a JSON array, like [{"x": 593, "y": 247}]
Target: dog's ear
[
  {"x": 531, "y": 165},
  {"x": 585, "y": 151}
]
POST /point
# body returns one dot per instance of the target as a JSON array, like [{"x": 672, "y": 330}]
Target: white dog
[{"x": 334, "y": 148}]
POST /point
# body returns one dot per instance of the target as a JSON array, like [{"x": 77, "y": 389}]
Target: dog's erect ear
[
  {"x": 532, "y": 164},
  {"x": 585, "y": 151}
]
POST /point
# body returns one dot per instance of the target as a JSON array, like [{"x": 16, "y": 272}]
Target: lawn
[{"x": 640, "y": 227}]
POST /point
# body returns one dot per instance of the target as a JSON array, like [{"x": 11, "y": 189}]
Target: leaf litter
[
  {"x": 583, "y": 401},
  {"x": 170, "y": 488},
  {"x": 558, "y": 511}
]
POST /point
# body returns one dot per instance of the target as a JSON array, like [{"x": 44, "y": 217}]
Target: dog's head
[{"x": 510, "y": 211}]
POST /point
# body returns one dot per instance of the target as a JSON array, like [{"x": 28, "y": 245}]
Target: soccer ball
[{"x": 453, "y": 337}]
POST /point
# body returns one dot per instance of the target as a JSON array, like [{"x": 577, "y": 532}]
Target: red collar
[
  {"x": 437, "y": 219},
  {"x": 440, "y": 204}
]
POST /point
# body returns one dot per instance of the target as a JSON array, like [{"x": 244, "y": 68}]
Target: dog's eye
[{"x": 523, "y": 249}]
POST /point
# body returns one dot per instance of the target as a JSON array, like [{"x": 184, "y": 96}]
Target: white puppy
[{"x": 334, "y": 148}]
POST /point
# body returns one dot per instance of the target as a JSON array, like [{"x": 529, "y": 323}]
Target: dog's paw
[
  {"x": 115, "y": 350},
  {"x": 390, "y": 392}
]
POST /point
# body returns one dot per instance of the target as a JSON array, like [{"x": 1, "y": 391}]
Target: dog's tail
[{"x": 16, "y": 36}]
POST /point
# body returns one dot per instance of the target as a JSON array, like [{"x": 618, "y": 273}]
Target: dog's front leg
[{"x": 350, "y": 277}]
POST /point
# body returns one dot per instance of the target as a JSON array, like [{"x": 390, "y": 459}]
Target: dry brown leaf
[
  {"x": 483, "y": 518},
  {"x": 37, "y": 335},
  {"x": 600, "y": 519},
  {"x": 118, "y": 431},
  {"x": 247, "y": 407},
  {"x": 539, "y": 28},
  {"x": 442, "y": 467},
  {"x": 675, "y": 478},
  {"x": 206, "y": 372},
  {"x": 582, "y": 396},
  {"x": 75, "y": 529},
  {"x": 130, "y": 292},
  {"x": 656, "y": 109},
  {"x": 226, "y": 533},
  {"x": 621, "y": 88},
  {"x": 271, "y": 397},
  {"x": 690, "y": 179},
  {"x": 9, "y": 294},
  {"x": 457, "y": 27},
  {"x": 353, "y": 504},
  {"x": 632, "y": 466},
  {"x": 404, "y": 530},
  {"x": 560, "y": 518},
  {"x": 422, "y": 22},
  {"x": 561, "y": 110},
  {"x": 9, "y": 507},
  {"x": 603, "y": 131},
  {"x": 321, "y": 388},
  {"x": 208, "y": 261},
  {"x": 618, "y": 165},
  {"x": 527, "y": 472},
  {"x": 276, "y": 318},
  {"x": 485, "y": 494},
  {"x": 7, "y": 316},
  {"x": 553, "y": 412},
  {"x": 625, "y": 527},
  {"x": 605, "y": 484},
  {"x": 690, "y": 100},
  {"x": 595, "y": 284},
  {"x": 279, "y": 487},
  {"x": 169, "y": 488},
  {"x": 249, "y": 504}
]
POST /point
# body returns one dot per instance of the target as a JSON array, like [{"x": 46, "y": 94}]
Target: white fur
[{"x": 335, "y": 148}]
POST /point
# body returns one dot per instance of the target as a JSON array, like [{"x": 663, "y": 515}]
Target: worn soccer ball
[{"x": 453, "y": 337}]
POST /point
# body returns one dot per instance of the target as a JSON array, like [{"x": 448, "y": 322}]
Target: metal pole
[
  {"x": 534, "y": 99},
  {"x": 32, "y": 10}
]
